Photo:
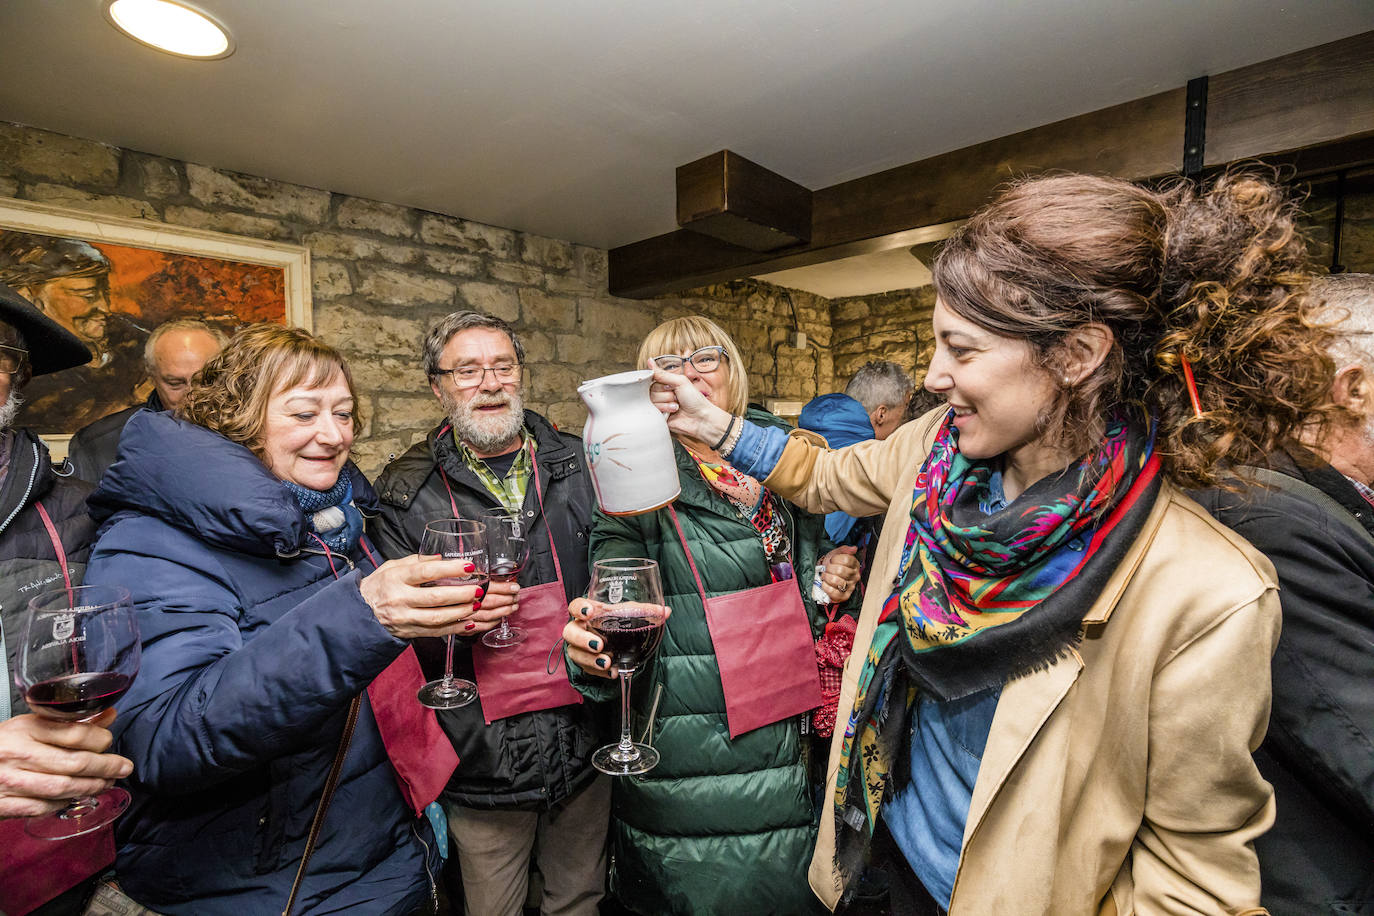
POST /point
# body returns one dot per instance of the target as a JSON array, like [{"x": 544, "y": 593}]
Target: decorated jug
[{"x": 628, "y": 447}]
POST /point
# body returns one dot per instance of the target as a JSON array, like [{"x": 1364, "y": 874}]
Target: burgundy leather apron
[
  {"x": 517, "y": 679},
  {"x": 764, "y": 649},
  {"x": 420, "y": 752}
]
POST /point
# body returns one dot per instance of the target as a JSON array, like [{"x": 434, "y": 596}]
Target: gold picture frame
[{"x": 145, "y": 272}]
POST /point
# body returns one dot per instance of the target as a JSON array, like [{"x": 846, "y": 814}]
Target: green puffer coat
[{"x": 719, "y": 826}]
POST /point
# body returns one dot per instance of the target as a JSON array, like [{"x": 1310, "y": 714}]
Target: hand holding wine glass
[
  {"x": 80, "y": 653},
  {"x": 454, "y": 539},
  {"x": 507, "y": 552},
  {"x": 627, "y": 615}
]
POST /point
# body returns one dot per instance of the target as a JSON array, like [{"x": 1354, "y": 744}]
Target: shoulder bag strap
[
  {"x": 331, "y": 781},
  {"x": 330, "y": 784},
  {"x": 685, "y": 549}
]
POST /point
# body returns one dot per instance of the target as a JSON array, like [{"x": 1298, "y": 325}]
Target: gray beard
[
  {"x": 489, "y": 435},
  {"x": 10, "y": 410}
]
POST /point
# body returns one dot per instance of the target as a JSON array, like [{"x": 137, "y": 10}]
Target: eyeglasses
[
  {"x": 12, "y": 359},
  {"x": 706, "y": 359},
  {"x": 471, "y": 376}
]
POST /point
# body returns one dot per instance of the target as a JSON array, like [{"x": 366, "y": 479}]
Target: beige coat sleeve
[
  {"x": 861, "y": 480},
  {"x": 1206, "y": 801}
]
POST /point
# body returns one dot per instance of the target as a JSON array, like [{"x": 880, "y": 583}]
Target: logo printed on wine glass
[
  {"x": 63, "y": 625},
  {"x": 615, "y": 591}
]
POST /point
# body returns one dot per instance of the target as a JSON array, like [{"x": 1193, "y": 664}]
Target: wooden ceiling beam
[
  {"x": 1300, "y": 100},
  {"x": 727, "y": 197}
]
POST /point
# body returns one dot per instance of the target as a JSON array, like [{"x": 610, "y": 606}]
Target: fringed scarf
[{"x": 980, "y": 599}]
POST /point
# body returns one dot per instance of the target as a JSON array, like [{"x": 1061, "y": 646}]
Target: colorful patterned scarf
[
  {"x": 752, "y": 500},
  {"x": 981, "y": 599}
]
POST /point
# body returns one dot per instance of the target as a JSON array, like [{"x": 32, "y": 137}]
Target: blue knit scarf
[{"x": 331, "y": 513}]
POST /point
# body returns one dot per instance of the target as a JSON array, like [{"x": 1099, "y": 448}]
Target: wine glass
[
  {"x": 507, "y": 551},
  {"x": 454, "y": 539},
  {"x": 627, "y": 613},
  {"x": 80, "y": 653}
]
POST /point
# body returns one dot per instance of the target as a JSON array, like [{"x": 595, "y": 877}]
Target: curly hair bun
[{"x": 1216, "y": 274}]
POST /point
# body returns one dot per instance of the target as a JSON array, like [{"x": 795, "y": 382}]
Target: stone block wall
[
  {"x": 893, "y": 326},
  {"x": 1357, "y": 224},
  {"x": 382, "y": 274}
]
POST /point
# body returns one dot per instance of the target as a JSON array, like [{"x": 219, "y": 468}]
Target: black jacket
[
  {"x": 533, "y": 760},
  {"x": 28, "y": 562},
  {"x": 1319, "y": 753},
  {"x": 92, "y": 449}
]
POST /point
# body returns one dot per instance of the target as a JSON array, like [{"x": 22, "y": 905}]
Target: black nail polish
[
  {"x": 594, "y": 645},
  {"x": 601, "y": 663}
]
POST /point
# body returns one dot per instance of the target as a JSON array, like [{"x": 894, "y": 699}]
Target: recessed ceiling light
[{"x": 172, "y": 27}]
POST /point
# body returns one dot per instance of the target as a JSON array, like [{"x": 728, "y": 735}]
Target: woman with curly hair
[
  {"x": 237, "y": 526},
  {"x": 1052, "y": 707}
]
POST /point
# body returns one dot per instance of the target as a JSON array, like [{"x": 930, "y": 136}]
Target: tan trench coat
[{"x": 1119, "y": 781}]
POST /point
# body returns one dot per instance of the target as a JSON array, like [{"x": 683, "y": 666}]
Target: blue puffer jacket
[
  {"x": 252, "y": 652},
  {"x": 843, "y": 421}
]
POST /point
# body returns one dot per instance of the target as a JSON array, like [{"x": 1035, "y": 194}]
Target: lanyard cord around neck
[
  {"x": 538, "y": 494},
  {"x": 6, "y": 704}
]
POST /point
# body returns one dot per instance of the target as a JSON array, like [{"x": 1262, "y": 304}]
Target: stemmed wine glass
[
  {"x": 627, "y": 613},
  {"x": 80, "y": 654},
  {"x": 454, "y": 539},
  {"x": 507, "y": 551}
]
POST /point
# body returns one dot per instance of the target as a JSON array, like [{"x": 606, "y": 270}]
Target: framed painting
[{"x": 112, "y": 280}]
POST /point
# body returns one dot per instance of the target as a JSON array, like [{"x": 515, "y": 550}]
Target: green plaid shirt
[{"x": 511, "y": 491}]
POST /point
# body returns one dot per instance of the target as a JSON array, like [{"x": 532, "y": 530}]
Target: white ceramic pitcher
[{"x": 629, "y": 449}]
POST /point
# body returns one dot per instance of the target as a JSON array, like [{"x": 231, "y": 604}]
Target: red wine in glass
[
  {"x": 631, "y": 633},
  {"x": 72, "y": 697},
  {"x": 627, "y": 612},
  {"x": 507, "y": 550},
  {"x": 454, "y": 539},
  {"x": 80, "y": 653}
]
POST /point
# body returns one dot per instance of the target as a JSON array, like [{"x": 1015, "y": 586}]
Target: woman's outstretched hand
[
  {"x": 688, "y": 412},
  {"x": 403, "y": 601}
]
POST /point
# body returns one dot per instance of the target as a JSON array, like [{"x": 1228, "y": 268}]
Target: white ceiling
[{"x": 567, "y": 117}]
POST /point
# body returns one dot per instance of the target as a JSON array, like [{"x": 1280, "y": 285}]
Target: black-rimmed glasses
[
  {"x": 471, "y": 376},
  {"x": 12, "y": 359},
  {"x": 705, "y": 359}
]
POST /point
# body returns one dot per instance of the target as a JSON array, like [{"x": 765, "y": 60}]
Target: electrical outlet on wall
[
  {"x": 788, "y": 410},
  {"x": 797, "y": 340}
]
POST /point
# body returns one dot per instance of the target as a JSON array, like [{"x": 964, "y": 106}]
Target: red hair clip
[{"x": 1192, "y": 385}]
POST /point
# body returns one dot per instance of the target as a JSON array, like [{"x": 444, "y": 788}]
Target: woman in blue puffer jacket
[{"x": 237, "y": 527}]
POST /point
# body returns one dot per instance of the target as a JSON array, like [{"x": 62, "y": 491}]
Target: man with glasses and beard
[
  {"x": 45, "y": 538},
  {"x": 525, "y": 787}
]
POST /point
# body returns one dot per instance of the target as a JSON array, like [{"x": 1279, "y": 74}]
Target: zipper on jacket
[
  {"x": 429, "y": 876},
  {"x": 28, "y": 491}
]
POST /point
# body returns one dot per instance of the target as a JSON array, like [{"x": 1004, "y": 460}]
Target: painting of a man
[
  {"x": 111, "y": 296},
  {"x": 69, "y": 280}
]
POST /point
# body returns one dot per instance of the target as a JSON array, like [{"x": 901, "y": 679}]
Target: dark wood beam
[
  {"x": 727, "y": 197},
  {"x": 1300, "y": 100}
]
